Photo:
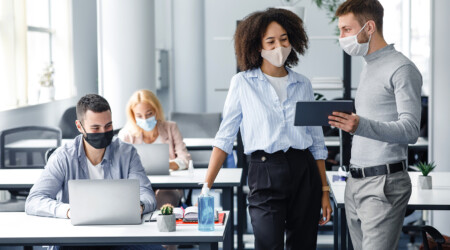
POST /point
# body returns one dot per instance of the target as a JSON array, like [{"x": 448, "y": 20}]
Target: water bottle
[{"x": 205, "y": 210}]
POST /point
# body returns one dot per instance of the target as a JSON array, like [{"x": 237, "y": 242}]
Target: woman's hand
[
  {"x": 326, "y": 209},
  {"x": 173, "y": 166}
]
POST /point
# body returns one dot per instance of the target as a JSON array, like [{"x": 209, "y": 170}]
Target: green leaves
[
  {"x": 330, "y": 6},
  {"x": 426, "y": 168}
]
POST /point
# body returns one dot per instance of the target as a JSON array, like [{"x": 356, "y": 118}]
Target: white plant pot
[
  {"x": 166, "y": 223},
  {"x": 425, "y": 182}
]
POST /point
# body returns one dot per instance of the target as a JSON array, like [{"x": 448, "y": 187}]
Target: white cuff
[
  {"x": 180, "y": 163},
  {"x": 61, "y": 211}
]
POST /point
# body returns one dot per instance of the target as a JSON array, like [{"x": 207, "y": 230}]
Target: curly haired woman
[{"x": 287, "y": 181}]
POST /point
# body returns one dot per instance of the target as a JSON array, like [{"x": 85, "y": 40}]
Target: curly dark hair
[{"x": 251, "y": 30}]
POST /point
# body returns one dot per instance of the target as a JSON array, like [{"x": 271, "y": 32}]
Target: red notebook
[{"x": 219, "y": 222}]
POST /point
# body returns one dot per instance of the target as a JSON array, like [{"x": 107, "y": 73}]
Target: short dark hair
[
  {"x": 251, "y": 30},
  {"x": 91, "y": 102},
  {"x": 364, "y": 10}
]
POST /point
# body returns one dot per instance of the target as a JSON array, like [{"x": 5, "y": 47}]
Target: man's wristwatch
[
  {"x": 143, "y": 206},
  {"x": 325, "y": 188}
]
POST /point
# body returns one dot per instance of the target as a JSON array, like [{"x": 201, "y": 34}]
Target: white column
[
  {"x": 126, "y": 51},
  {"x": 439, "y": 120},
  {"x": 84, "y": 16},
  {"x": 189, "y": 56}
]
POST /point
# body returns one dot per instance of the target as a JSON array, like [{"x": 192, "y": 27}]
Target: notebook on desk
[
  {"x": 190, "y": 214},
  {"x": 154, "y": 158},
  {"x": 104, "y": 202}
]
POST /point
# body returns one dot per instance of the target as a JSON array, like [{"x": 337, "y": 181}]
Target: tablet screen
[{"x": 315, "y": 113}]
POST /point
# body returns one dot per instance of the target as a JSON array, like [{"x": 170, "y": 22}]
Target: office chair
[
  {"x": 25, "y": 147},
  {"x": 436, "y": 236},
  {"x": 67, "y": 123},
  {"x": 49, "y": 153}
]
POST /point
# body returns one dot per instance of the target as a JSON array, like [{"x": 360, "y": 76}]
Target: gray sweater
[{"x": 389, "y": 104}]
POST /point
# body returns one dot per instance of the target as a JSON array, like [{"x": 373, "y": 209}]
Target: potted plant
[
  {"x": 425, "y": 181},
  {"x": 166, "y": 220},
  {"x": 47, "y": 90}
]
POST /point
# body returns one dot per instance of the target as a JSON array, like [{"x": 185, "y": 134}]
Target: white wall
[{"x": 439, "y": 135}]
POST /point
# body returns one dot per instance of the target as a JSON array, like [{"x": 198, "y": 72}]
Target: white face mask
[
  {"x": 278, "y": 56},
  {"x": 351, "y": 46}
]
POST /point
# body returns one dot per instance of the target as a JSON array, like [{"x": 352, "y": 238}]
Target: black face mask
[{"x": 98, "y": 140}]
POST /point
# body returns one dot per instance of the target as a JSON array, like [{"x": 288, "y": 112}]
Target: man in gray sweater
[{"x": 387, "y": 119}]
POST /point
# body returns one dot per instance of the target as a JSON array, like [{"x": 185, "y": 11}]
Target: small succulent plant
[
  {"x": 426, "y": 168},
  {"x": 166, "y": 209}
]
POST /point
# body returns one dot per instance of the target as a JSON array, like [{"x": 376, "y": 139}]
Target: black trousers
[{"x": 285, "y": 197}]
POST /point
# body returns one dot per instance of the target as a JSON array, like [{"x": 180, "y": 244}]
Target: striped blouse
[{"x": 266, "y": 123}]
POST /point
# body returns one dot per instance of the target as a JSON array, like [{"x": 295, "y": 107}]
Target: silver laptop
[
  {"x": 104, "y": 202},
  {"x": 154, "y": 158}
]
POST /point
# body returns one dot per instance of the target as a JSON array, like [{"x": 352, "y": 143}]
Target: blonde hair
[{"x": 142, "y": 96}]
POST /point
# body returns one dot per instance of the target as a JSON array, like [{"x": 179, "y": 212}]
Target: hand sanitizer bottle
[{"x": 205, "y": 210}]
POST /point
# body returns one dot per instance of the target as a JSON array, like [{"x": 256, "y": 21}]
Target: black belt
[{"x": 378, "y": 170}]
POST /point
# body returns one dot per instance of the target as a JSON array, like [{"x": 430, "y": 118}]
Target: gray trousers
[{"x": 375, "y": 208}]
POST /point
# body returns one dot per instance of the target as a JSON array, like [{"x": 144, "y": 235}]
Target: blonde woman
[{"x": 146, "y": 124}]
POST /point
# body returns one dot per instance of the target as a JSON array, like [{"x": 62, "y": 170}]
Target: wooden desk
[
  {"x": 437, "y": 198},
  {"x": 24, "y": 230}
]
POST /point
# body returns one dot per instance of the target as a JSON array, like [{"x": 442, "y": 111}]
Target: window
[
  {"x": 35, "y": 52},
  {"x": 39, "y": 51},
  {"x": 407, "y": 24}
]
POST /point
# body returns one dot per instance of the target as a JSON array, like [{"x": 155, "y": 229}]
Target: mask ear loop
[
  {"x": 368, "y": 42},
  {"x": 356, "y": 37},
  {"x": 85, "y": 133},
  {"x": 362, "y": 28}
]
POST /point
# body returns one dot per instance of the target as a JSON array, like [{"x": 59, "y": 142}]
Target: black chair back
[
  {"x": 67, "y": 124},
  {"x": 25, "y": 147},
  {"x": 49, "y": 153}
]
